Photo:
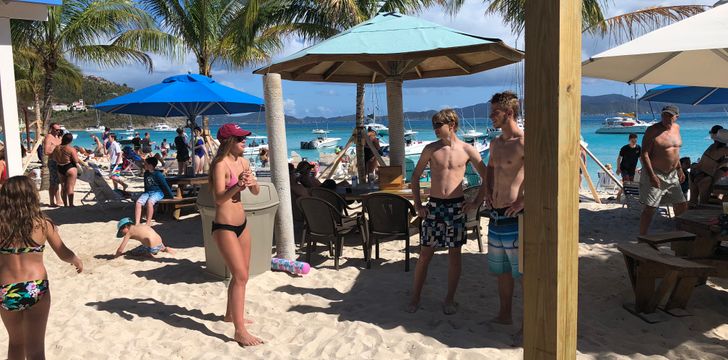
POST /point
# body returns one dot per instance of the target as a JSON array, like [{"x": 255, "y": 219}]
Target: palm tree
[
  {"x": 103, "y": 32},
  {"x": 618, "y": 27},
  {"x": 29, "y": 80},
  {"x": 107, "y": 33}
]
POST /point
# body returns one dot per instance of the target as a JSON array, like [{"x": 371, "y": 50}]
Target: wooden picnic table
[
  {"x": 357, "y": 193},
  {"x": 179, "y": 201},
  {"x": 702, "y": 223}
]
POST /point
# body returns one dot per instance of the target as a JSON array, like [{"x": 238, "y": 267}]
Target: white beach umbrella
[{"x": 691, "y": 52}]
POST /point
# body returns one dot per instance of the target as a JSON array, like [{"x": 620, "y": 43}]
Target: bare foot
[
  {"x": 412, "y": 307},
  {"x": 502, "y": 320},
  {"x": 244, "y": 338},
  {"x": 450, "y": 308}
]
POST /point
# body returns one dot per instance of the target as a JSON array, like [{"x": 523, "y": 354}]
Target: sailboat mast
[{"x": 636, "y": 104}]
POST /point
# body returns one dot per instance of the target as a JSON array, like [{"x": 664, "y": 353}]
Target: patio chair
[
  {"x": 333, "y": 198},
  {"x": 324, "y": 221},
  {"x": 605, "y": 183},
  {"x": 133, "y": 163},
  {"x": 389, "y": 216},
  {"x": 99, "y": 187},
  {"x": 472, "y": 218}
]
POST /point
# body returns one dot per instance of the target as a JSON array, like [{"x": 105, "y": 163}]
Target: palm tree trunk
[
  {"x": 38, "y": 116},
  {"x": 275, "y": 123},
  {"x": 360, "y": 165},
  {"x": 48, "y": 91}
]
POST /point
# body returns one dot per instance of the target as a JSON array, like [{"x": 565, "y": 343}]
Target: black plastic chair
[
  {"x": 324, "y": 221},
  {"x": 472, "y": 217},
  {"x": 389, "y": 217},
  {"x": 338, "y": 201}
]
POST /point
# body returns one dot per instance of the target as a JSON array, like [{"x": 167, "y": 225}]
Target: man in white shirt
[{"x": 116, "y": 161}]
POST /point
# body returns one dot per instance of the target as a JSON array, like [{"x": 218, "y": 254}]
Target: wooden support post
[
  {"x": 589, "y": 182},
  {"x": 599, "y": 163},
  {"x": 551, "y": 217},
  {"x": 396, "y": 122},
  {"x": 360, "y": 132},
  {"x": 376, "y": 152},
  {"x": 9, "y": 102}
]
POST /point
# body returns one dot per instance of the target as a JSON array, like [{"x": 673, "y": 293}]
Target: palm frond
[
  {"x": 513, "y": 12},
  {"x": 628, "y": 26},
  {"x": 109, "y": 56}
]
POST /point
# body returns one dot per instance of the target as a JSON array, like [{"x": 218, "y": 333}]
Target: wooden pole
[
  {"x": 396, "y": 122},
  {"x": 589, "y": 182},
  {"x": 278, "y": 150},
  {"x": 360, "y": 132},
  {"x": 551, "y": 217},
  {"x": 599, "y": 163}
]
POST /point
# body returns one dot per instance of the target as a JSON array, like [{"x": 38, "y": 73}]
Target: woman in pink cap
[{"x": 229, "y": 175}]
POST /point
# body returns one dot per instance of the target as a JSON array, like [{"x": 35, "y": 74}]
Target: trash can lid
[{"x": 268, "y": 197}]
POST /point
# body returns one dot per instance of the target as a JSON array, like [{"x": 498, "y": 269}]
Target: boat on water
[
  {"x": 130, "y": 129},
  {"x": 624, "y": 123},
  {"x": 320, "y": 142},
  {"x": 372, "y": 124},
  {"x": 99, "y": 128},
  {"x": 320, "y": 131},
  {"x": 472, "y": 134},
  {"x": 254, "y": 144},
  {"x": 409, "y": 132},
  {"x": 162, "y": 127}
]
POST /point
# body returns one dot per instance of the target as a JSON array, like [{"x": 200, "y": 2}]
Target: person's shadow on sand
[{"x": 173, "y": 315}]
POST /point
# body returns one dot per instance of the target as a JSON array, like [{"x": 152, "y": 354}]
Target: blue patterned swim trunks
[
  {"x": 503, "y": 244},
  {"x": 444, "y": 226}
]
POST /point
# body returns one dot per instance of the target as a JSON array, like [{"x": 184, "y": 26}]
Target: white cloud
[{"x": 289, "y": 107}]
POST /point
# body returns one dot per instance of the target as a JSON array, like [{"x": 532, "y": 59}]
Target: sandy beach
[{"x": 170, "y": 308}]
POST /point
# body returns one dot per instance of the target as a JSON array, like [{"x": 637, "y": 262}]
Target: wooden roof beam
[
  {"x": 332, "y": 69},
  {"x": 460, "y": 63},
  {"x": 302, "y": 70},
  {"x": 374, "y": 66}
]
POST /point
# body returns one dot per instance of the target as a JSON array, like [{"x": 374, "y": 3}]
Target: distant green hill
[{"x": 95, "y": 90}]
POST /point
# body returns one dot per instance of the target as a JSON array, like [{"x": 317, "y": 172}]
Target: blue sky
[{"x": 323, "y": 99}]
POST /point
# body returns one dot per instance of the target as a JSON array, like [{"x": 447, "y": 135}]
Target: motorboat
[
  {"x": 379, "y": 128},
  {"x": 162, "y": 127},
  {"x": 98, "y": 128},
  {"x": 130, "y": 129},
  {"x": 624, "y": 123},
  {"x": 409, "y": 132},
  {"x": 319, "y": 131},
  {"x": 320, "y": 142},
  {"x": 254, "y": 144},
  {"x": 472, "y": 134}
]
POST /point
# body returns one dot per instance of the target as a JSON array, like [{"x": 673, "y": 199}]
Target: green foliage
[{"x": 93, "y": 90}]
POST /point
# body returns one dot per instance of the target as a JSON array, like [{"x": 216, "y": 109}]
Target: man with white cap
[{"x": 661, "y": 171}]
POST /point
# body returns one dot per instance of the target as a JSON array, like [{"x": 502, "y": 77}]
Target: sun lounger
[{"x": 99, "y": 187}]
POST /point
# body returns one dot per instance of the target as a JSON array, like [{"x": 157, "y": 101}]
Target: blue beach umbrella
[
  {"x": 188, "y": 95},
  {"x": 693, "y": 95}
]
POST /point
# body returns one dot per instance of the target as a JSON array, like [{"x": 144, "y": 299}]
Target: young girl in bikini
[
  {"x": 229, "y": 175},
  {"x": 24, "y": 290}
]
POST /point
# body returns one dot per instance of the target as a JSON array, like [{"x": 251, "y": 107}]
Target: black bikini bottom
[
  {"x": 236, "y": 229},
  {"x": 63, "y": 169}
]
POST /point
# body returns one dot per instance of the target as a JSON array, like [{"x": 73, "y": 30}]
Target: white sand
[{"x": 169, "y": 308}]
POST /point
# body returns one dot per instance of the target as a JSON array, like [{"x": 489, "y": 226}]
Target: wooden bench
[
  {"x": 679, "y": 276},
  {"x": 654, "y": 240},
  {"x": 175, "y": 205}
]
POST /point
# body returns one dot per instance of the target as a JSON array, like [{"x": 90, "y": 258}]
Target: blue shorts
[
  {"x": 150, "y": 197},
  {"x": 503, "y": 248},
  {"x": 144, "y": 250}
]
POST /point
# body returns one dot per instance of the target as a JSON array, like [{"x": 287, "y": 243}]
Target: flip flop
[
  {"x": 412, "y": 308},
  {"x": 450, "y": 309}
]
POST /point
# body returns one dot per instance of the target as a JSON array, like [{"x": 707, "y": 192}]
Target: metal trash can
[{"x": 260, "y": 211}]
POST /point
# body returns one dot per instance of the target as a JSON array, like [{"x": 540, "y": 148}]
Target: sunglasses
[
  {"x": 437, "y": 125},
  {"x": 241, "y": 138}
]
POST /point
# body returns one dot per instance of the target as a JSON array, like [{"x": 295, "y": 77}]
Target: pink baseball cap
[{"x": 231, "y": 130}]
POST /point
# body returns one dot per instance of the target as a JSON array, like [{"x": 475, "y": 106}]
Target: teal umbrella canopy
[{"x": 394, "y": 45}]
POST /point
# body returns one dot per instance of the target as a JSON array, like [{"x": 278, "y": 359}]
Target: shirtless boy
[
  {"x": 443, "y": 223},
  {"x": 504, "y": 193},
  {"x": 151, "y": 241},
  {"x": 50, "y": 142},
  {"x": 661, "y": 171}
]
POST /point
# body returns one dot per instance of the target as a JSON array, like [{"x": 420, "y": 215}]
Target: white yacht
[
  {"x": 320, "y": 131},
  {"x": 624, "y": 123},
  {"x": 379, "y": 128},
  {"x": 409, "y": 132},
  {"x": 162, "y": 127},
  {"x": 472, "y": 134},
  {"x": 254, "y": 144},
  {"x": 320, "y": 142},
  {"x": 98, "y": 128}
]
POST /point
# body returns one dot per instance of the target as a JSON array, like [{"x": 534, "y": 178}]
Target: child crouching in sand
[{"x": 151, "y": 241}]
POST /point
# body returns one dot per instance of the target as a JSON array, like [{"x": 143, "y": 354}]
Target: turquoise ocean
[{"x": 694, "y": 130}]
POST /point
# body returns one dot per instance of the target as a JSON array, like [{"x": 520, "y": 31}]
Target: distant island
[{"x": 96, "y": 89}]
